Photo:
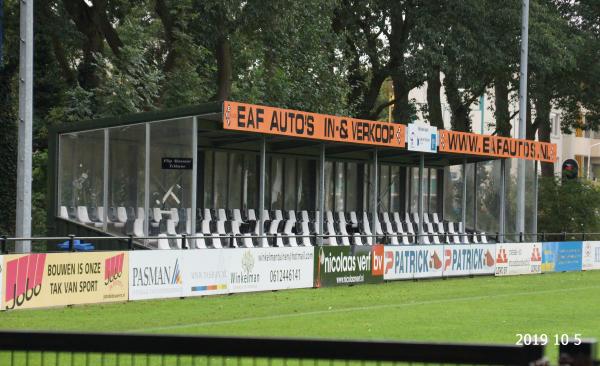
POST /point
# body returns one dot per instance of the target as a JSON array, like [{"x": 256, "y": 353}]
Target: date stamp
[{"x": 543, "y": 339}]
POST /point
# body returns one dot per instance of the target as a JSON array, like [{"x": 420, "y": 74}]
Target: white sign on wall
[
  {"x": 206, "y": 271},
  {"x": 414, "y": 261},
  {"x": 590, "y": 255},
  {"x": 518, "y": 258},
  {"x": 469, "y": 259},
  {"x": 155, "y": 274},
  {"x": 421, "y": 137},
  {"x": 263, "y": 269},
  {"x": 180, "y": 273}
]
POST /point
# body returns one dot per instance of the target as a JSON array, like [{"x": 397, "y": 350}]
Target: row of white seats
[{"x": 221, "y": 229}]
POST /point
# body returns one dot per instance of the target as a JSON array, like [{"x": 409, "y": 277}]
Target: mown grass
[{"x": 480, "y": 309}]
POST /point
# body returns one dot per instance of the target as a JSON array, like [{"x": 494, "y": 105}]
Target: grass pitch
[{"x": 481, "y": 309}]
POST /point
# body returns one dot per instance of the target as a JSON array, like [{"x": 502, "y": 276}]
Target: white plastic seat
[
  {"x": 274, "y": 234},
  {"x": 140, "y": 214},
  {"x": 221, "y": 215},
  {"x": 412, "y": 239},
  {"x": 464, "y": 239},
  {"x": 452, "y": 234},
  {"x": 304, "y": 216},
  {"x": 121, "y": 217},
  {"x": 407, "y": 217},
  {"x": 203, "y": 234},
  {"x": 435, "y": 218},
  {"x": 483, "y": 238},
  {"x": 441, "y": 232},
  {"x": 156, "y": 217},
  {"x": 330, "y": 230},
  {"x": 342, "y": 228},
  {"x": 329, "y": 216},
  {"x": 396, "y": 219},
  {"x": 317, "y": 216},
  {"x": 353, "y": 219},
  {"x": 304, "y": 232},
  {"x": 378, "y": 230},
  {"x": 415, "y": 217},
  {"x": 288, "y": 233},
  {"x": 83, "y": 217},
  {"x": 426, "y": 218},
  {"x": 278, "y": 215},
  {"x": 402, "y": 235},
  {"x": 251, "y": 215},
  {"x": 223, "y": 239},
  {"x": 265, "y": 216},
  {"x": 163, "y": 242},
  {"x": 433, "y": 233},
  {"x": 390, "y": 232},
  {"x": 138, "y": 227},
  {"x": 171, "y": 231},
  {"x": 174, "y": 215},
  {"x": 63, "y": 213},
  {"x": 245, "y": 239},
  {"x": 366, "y": 229},
  {"x": 100, "y": 214},
  {"x": 386, "y": 217},
  {"x": 208, "y": 232}
]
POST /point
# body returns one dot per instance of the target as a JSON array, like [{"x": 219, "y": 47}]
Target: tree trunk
[
  {"x": 434, "y": 104},
  {"x": 502, "y": 113},
  {"x": 542, "y": 108},
  {"x": 369, "y": 99},
  {"x": 460, "y": 120},
  {"x": 94, "y": 24},
  {"x": 224, "y": 68},
  {"x": 162, "y": 10},
  {"x": 402, "y": 108}
]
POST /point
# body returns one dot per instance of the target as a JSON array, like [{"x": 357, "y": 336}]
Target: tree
[
  {"x": 8, "y": 118},
  {"x": 385, "y": 40},
  {"x": 568, "y": 206}
]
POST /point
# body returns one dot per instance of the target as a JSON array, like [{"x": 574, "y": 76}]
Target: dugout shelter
[{"x": 237, "y": 174}]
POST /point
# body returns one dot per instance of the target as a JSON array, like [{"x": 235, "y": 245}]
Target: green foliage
[
  {"x": 568, "y": 206},
  {"x": 328, "y": 56},
  {"x": 39, "y": 190}
]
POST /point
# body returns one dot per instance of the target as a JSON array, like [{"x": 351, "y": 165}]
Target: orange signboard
[
  {"x": 286, "y": 122},
  {"x": 503, "y": 147}
]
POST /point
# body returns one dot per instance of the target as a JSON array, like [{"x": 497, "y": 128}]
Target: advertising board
[
  {"x": 590, "y": 255},
  {"x": 348, "y": 265},
  {"x": 562, "y": 256},
  {"x": 205, "y": 271},
  {"x": 518, "y": 258},
  {"x": 487, "y": 145},
  {"x": 265, "y": 269},
  {"x": 413, "y": 261},
  {"x": 469, "y": 259},
  {"x": 155, "y": 274},
  {"x": 1, "y": 282},
  {"x": 421, "y": 137},
  {"x": 42, "y": 280},
  {"x": 277, "y": 121}
]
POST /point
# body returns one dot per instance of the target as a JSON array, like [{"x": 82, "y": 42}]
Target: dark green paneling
[{"x": 129, "y": 119}]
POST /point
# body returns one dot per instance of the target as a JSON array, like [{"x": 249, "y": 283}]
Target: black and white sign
[{"x": 177, "y": 163}]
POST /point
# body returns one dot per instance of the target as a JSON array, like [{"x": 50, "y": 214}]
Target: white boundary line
[{"x": 356, "y": 308}]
